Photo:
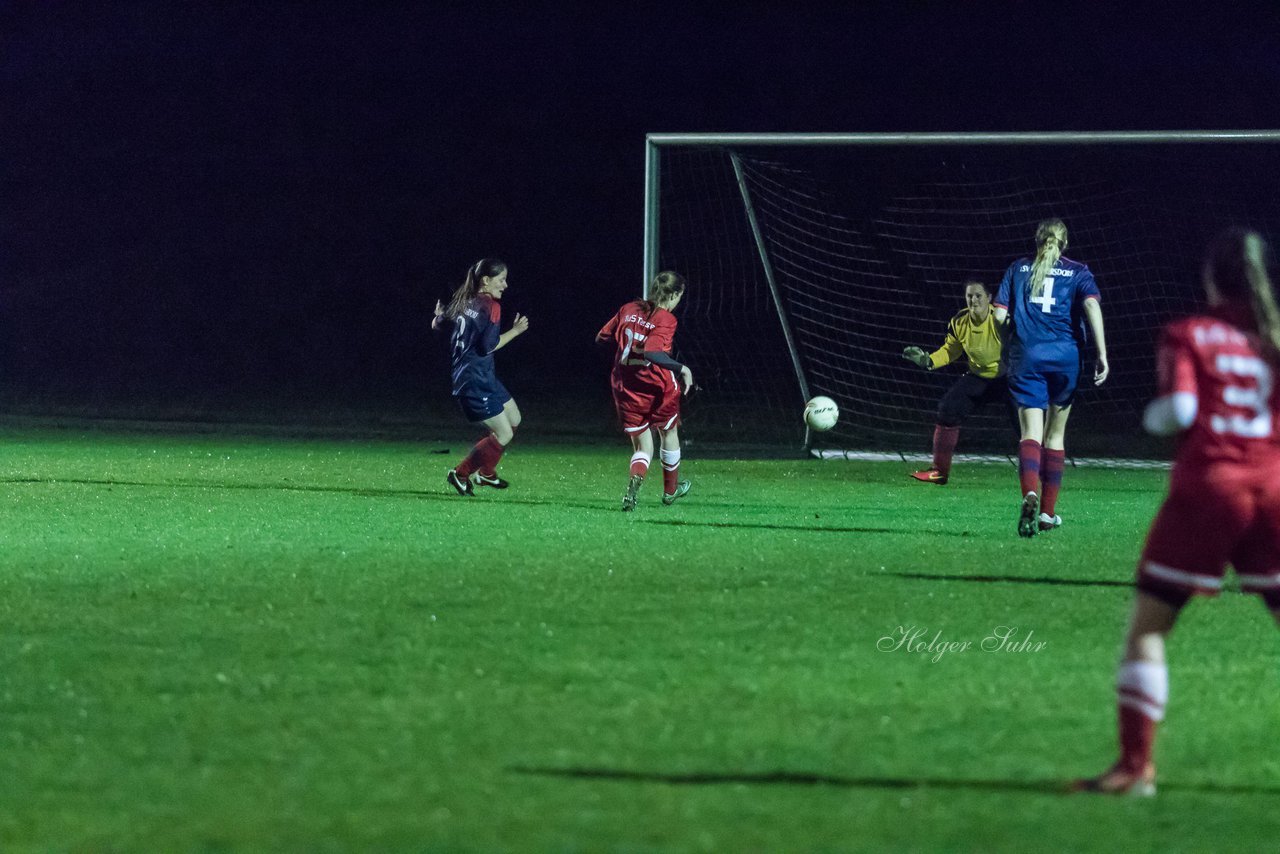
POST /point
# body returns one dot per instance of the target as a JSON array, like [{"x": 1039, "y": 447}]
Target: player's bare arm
[
  {"x": 1093, "y": 313},
  {"x": 518, "y": 327}
]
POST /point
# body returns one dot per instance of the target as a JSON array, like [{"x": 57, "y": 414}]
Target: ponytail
[
  {"x": 470, "y": 286},
  {"x": 1262, "y": 297},
  {"x": 1242, "y": 271}
]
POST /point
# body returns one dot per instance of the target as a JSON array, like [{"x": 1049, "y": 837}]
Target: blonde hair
[
  {"x": 470, "y": 286},
  {"x": 1042, "y": 264},
  {"x": 1240, "y": 265}
]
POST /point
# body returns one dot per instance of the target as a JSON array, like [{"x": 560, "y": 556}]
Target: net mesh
[{"x": 869, "y": 248}]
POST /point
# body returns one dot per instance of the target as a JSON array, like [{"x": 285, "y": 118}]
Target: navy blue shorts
[
  {"x": 1034, "y": 387},
  {"x": 481, "y": 401}
]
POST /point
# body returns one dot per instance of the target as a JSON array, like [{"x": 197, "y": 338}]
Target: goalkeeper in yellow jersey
[{"x": 973, "y": 335}]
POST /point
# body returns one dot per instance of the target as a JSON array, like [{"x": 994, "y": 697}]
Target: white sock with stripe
[
  {"x": 1144, "y": 687},
  {"x": 670, "y": 470},
  {"x": 640, "y": 463}
]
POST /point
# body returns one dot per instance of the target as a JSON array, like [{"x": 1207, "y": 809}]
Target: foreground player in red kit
[
  {"x": 646, "y": 390},
  {"x": 472, "y": 319},
  {"x": 1217, "y": 390}
]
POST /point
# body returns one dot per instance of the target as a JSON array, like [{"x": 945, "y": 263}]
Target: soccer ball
[{"x": 821, "y": 414}]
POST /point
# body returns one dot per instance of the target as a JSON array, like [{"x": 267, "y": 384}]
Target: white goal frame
[{"x": 656, "y": 142}]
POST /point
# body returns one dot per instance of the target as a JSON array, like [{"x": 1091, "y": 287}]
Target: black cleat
[
  {"x": 485, "y": 480},
  {"x": 633, "y": 489},
  {"x": 1029, "y": 515},
  {"x": 462, "y": 485}
]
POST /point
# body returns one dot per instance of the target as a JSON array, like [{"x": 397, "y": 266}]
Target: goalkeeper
[{"x": 974, "y": 335}]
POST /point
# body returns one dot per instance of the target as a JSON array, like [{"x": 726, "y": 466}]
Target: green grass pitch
[{"x": 211, "y": 643}]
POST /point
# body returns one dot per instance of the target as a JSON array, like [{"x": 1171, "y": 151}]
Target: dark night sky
[{"x": 265, "y": 199}]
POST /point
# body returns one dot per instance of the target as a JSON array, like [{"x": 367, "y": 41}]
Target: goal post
[{"x": 813, "y": 259}]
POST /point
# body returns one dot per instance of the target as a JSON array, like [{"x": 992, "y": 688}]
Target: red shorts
[
  {"x": 648, "y": 399},
  {"x": 1214, "y": 516}
]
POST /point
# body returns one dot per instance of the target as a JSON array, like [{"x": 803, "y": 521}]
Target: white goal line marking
[{"x": 891, "y": 457}]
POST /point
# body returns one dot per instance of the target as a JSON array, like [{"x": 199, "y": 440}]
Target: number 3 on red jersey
[{"x": 1255, "y": 400}]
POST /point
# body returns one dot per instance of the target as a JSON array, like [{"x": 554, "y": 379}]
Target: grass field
[{"x": 211, "y": 643}]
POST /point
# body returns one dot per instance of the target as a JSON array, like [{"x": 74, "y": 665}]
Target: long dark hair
[
  {"x": 665, "y": 286},
  {"x": 470, "y": 286},
  {"x": 1240, "y": 265}
]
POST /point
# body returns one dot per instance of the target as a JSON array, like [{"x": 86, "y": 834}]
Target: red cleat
[
  {"x": 1120, "y": 781},
  {"x": 930, "y": 476}
]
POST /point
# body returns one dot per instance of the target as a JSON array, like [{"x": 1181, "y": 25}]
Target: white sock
[
  {"x": 1144, "y": 686},
  {"x": 641, "y": 457},
  {"x": 670, "y": 459}
]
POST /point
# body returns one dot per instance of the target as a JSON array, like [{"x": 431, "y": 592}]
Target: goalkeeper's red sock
[
  {"x": 944, "y": 445},
  {"x": 1029, "y": 466}
]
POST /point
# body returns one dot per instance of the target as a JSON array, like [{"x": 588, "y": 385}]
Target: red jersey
[
  {"x": 634, "y": 330},
  {"x": 1238, "y": 407}
]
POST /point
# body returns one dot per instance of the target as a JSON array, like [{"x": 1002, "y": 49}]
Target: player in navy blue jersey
[
  {"x": 1042, "y": 299},
  {"x": 472, "y": 319}
]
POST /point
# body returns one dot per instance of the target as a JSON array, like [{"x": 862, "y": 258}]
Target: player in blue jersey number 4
[{"x": 1042, "y": 300}]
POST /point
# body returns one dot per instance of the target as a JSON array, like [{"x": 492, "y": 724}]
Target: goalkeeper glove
[{"x": 918, "y": 356}]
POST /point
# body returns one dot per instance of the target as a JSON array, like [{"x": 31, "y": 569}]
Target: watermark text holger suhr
[{"x": 920, "y": 640}]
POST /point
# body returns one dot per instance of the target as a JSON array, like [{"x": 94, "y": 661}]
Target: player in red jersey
[
  {"x": 647, "y": 383},
  {"x": 1216, "y": 390}
]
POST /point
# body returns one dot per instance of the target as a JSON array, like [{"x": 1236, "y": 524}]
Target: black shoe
[
  {"x": 459, "y": 483},
  {"x": 484, "y": 480},
  {"x": 1029, "y": 516},
  {"x": 633, "y": 490}
]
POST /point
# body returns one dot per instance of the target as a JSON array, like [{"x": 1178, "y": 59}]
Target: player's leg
[
  {"x": 641, "y": 436},
  {"x": 1030, "y": 393},
  {"x": 1062, "y": 390},
  {"x": 672, "y": 486},
  {"x": 1142, "y": 691},
  {"x": 956, "y": 405},
  {"x": 502, "y": 430},
  {"x": 1031, "y": 422},
  {"x": 1053, "y": 458},
  {"x": 490, "y": 407},
  {"x": 1185, "y": 554}
]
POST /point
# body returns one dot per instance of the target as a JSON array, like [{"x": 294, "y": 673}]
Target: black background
[{"x": 253, "y": 207}]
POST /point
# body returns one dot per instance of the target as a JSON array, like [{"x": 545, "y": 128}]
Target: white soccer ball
[{"x": 821, "y": 414}]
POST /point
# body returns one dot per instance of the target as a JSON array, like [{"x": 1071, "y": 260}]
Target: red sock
[
  {"x": 484, "y": 456},
  {"x": 670, "y": 471},
  {"x": 1142, "y": 690},
  {"x": 944, "y": 445},
  {"x": 1052, "y": 462},
  {"x": 492, "y": 453},
  {"x": 1137, "y": 735},
  {"x": 639, "y": 464},
  {"x": 489, "y": 467},
  {"x": 1029, "y": 465}
]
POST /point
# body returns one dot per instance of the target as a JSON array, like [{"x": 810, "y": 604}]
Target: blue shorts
[
  {"x": 1034, "y": 387},
  {"x": 481, "y": 401}
]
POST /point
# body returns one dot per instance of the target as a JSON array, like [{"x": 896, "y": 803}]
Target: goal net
[{"x": 814, "y": 260}]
